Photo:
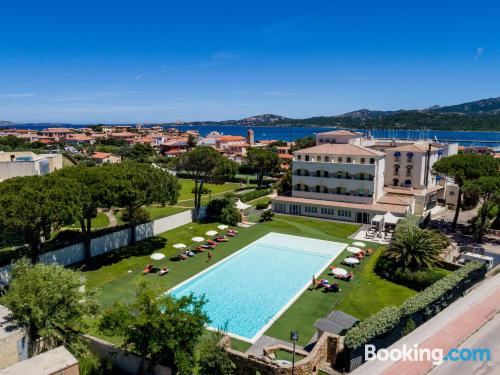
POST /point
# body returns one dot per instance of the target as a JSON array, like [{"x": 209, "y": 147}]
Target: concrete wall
[
  {"x": 9, "y": 347},
  {"x": 109, "y": 242}
]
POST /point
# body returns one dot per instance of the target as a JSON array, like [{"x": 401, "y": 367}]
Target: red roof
[
  {"x": 229, "y": 138},
  {"x": 101, "y": 155},
  {"x": 285, "y": 156}
]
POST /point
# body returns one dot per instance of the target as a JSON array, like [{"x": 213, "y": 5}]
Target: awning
[
  {"x": 378, "y": 218},
  {"x": 391, "y": 219}
]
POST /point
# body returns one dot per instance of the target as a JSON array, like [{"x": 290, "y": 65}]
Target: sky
[{"x": 146, "y": 61}]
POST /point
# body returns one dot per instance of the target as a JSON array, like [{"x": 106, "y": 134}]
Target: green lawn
[
  {"x": 116, "y": 273},
  {"x": 156, "y": 212},
  {"x": 188, "y": 186},
  {"x": 100, "y": 221}
]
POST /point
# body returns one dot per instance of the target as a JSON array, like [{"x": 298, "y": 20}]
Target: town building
[
  {"x": 59, "y": 134},
  {"x": 350, "y": 178},
  {"x": 27, "y": 163},
  {"x": 101, "y": 158}
]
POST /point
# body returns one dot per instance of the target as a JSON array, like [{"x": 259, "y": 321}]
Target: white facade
[
  {"x": 25, "y": 163},
  {"x": 341, "y": 178}
]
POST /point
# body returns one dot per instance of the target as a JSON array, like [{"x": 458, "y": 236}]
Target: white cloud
[
  {"x": 479, "y": 52},
  {"x": 43, "y": 80},
  {"x": 17, "y": 95},
  {"x": 138, "y": 77}
]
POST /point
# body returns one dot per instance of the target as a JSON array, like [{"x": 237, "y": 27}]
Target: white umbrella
[
  {"x": 222, "y": 226},
  {"x": 211, "y": 233},
  {"x": 179, "y": 246},
  {"x": 339, "y": 272},
  {"x": 353, "y": 249},
  {"x": 360, "y": 244},
  {"x": 197, "y": 239},
  {"x": 351, "y": 261},
  {"x": 157, "y": 256}
]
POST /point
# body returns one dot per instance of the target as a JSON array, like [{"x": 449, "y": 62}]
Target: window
[
  {"x": 408, "y": 170},
  {"x": 299, "y": 157},
  {"x": 325, "y": 190},
  {"x": 340, "y": 159},
  {"x": 318, "y": 173},
  {"x": 318, "y": 189},
  {"x": 372, "y": 161},
  {"x": 327, "y": 159},
  {"x": 307, "y": 157},
  {"x": 311, "y": 209},
  {"x": 362, "y": 160},
  {"x": 344, "y": 213},
  {"x": 327, "y": 211},
  {"x": 396, "y": 169},
  {"x": 349, "y": 159},
  {"x": 361, "y": 176},
  {"x": 451, "y": 193},
  {"x": 321, "y": 140}
]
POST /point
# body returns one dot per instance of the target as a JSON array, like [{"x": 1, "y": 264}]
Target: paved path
[
  {"x": 446, "y": 330},
  {"x": 266, "y": 341},
  {"x": 111, "y": 217},
  {"x": 485, "y": 337}
]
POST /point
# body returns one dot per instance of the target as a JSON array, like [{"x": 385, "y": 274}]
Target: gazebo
[{"x": 244, "y": 209}]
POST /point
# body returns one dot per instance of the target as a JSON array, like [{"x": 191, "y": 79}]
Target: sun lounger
[
  {"x": 222, "y": 239},
  {"x": 183, "y": 256},
  {"x": 148, "y": 269},
  {"x": 164, "y": 271},
  {"x": 212, "y": 242},
  {"x": 332, "y": 288}
]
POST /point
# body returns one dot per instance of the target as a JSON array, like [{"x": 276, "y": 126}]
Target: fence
[{"x": 103, "y": 244}]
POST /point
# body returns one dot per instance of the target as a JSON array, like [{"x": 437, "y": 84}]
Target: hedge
[
  {"x": 254, "y": 194},
  {"x": 388, "y": 318},
  {"x": 437, "y": 290},
  {"x": 377, "y": 324}
]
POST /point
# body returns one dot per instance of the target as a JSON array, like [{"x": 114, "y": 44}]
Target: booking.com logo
[{"x": 437, "y": 356}]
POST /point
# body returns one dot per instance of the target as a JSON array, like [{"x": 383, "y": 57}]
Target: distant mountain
[
  {"x": 6, "y": 123},
  {"x": 479, "y": 115},
  {"x": 480, "y": 107}
]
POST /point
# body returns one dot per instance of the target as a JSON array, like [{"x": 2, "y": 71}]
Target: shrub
[
  {"x": 409, "y": 327},
  {"x": 262, "y": 206},
  {"x": 215, "y": 206},
  {"x": 230, "y": 215},
  {"x": 266, "y": 216},
  {"x": 377, "y": 324},
  {"x": 428, "y": 301},
  {"x": 437, "y": 290},
  {"x": 254, "y": 194}
]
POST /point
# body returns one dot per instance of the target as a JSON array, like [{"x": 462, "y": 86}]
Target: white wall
[{"x": 109, "y": 242}]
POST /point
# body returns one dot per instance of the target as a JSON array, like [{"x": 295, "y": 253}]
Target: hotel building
[{"x": 347, "y": 177}]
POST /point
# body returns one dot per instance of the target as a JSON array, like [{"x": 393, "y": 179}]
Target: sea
[{"x": 291, "y": 133}]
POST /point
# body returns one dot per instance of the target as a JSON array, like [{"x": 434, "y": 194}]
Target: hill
[{"x": 479, "y": 115}]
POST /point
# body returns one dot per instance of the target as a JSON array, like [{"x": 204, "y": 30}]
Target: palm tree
[{"x": 414, "y": 248}]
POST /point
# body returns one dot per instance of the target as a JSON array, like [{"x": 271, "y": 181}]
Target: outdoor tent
[
  {"x": 378, "y": 222},
  {"x": 390, "y": 219}
]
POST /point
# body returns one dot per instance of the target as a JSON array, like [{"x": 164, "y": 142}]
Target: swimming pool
[{"x": 250, "y": 289}]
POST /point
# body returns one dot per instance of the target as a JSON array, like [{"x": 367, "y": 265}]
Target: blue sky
[{"x": 151, "y": 61}]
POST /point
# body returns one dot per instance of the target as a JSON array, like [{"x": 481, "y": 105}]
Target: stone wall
[{"x": 324, "y": 354}]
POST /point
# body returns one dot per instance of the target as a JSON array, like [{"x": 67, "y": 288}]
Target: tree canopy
[
  {"x": 50, "y": 303},
  {"x": 262, "y": 162},
  {"x": 465, "y": 167},
  {"x": 34, "y": 206},
  {"x": 136, "y": 185},
  {"x": 159, "y": 327},
  {"x": 203, "y": 164}
]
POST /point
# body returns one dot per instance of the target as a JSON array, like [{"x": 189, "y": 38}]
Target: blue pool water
[{"x": 247, "y": 290}]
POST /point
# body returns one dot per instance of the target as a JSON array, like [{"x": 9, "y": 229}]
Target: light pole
[{"x": 294, "y": 336}]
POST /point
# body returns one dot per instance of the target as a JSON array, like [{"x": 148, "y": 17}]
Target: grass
[
  {"x": 363, "y": 296},
  {"x": 157, "y": 212},
  {"x": 264, "y": 199},
  {"x": 287, "y": 356},
  {"x": 100, "y": 221},
  {"x": 188, "y": 186}
]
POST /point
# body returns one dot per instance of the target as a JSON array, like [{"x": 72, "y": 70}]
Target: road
[{"x": 485, "y": 337}]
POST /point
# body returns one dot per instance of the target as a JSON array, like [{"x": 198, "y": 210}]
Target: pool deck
[{"x": 324, "y": 247}]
